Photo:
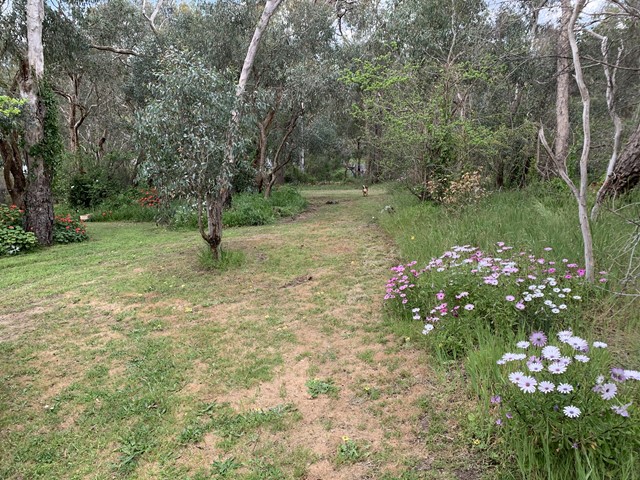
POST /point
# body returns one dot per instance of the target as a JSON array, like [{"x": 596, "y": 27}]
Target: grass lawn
[{"x": 121, "y": 358}]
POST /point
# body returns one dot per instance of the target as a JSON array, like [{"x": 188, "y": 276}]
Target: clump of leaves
[
  {"x": 350, "y": 451},
  {"x": 225, "y": 467},
  {"x": 317, "y": 387}
]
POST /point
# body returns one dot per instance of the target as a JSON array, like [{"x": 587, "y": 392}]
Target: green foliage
[
  {"x": 88, "y": 190},
  {"x": 50, "y": 148},
  {"x": 534, "y": 437},
  {"x": 86, "y": 182},
  {"x": 248, "y": 209},
  {"x": 68, "y": 230},
  {"x": 228, "y": 260},
  {"x": 317, "y": 387},
  {"x": 578, "y": 434},
  {"x": 183, "y": 130},
  {"x": 286, "y": 202},
  {"x": 127, "y": 206},
  {"x": 13, "y": 238},
  {"x": 11, "y": 110},
  {"x": 416, "y": 125},
  {"x": 349, "y": 451},
  {"x": 10, "y": 215}
]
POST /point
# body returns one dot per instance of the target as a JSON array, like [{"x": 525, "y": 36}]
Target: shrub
[
  {"x": 13, "y": 238},
  {"x": 559, "y": 416},
  {"x": 466, "y": 293},
  {"x": 68, "y": 230},
  {"x": 134, "y": 205},
  {"x": 287, "y": 202},
  {"x": 11, "y": 215},
  {"x": 248, "y": 210}
]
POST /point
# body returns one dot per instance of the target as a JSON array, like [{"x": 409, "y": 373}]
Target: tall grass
[{"x": 533, "y": 218}]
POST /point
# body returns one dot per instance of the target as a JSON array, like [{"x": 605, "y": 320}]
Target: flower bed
[{"x": 467, "y": 293}]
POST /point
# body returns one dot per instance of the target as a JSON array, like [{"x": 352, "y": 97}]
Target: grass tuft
[{"x": 229, "y": 259}]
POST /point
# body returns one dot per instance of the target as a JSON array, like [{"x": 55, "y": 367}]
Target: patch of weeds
[
  {"x": 222, "y": 468},
  {"x": 232, "y": 426},
  {"x": 350, "y": 451},
  {"x": 327, "y": 424},
  {"x": 318, "y": 387},
  {"x": 228, "y": 260},
  {"x": 403, "y": 382},
  {"x": 192, "y": 433},
  {"x": 131, "y": 449},
  {"x": 367, "y": 356},
  {"x": 302, "y": 356},
  {"x": 263, "y": 470},
  {"x": 371, "y": 393}
]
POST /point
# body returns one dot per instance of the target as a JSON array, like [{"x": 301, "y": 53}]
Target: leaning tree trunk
[
  {"x": 626, "y": 174},
  {"x": 215, "y": 202},
  {"x": 38, "y": 198}
]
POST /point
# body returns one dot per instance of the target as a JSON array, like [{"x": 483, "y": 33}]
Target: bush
[
  {"x": 249, "y": 209},
  {"x": 134, "y": 205},
  {"x": 563, "y": 412},
  {"x": 13, "y": 238},
  {"x": 287, "y": 202},
  {"x": 68, "y": 230}
]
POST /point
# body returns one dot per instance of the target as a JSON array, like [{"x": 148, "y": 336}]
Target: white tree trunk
[
  {"x": 35, "y": 17},
  {"x": 38, "y": 196},
  {"x": 610, "y": 76},
  {"x": 586, "y": 145}
]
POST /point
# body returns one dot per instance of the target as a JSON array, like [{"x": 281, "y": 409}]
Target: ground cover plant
[
  {"x": 565, "y": 410},
  {"x": 467, "y": 294}
]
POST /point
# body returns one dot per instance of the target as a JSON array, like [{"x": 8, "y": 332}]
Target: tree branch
[{"x": 119, "y": 51}]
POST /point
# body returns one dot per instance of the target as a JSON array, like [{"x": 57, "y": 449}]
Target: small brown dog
[{"x": 365, "y": 191}]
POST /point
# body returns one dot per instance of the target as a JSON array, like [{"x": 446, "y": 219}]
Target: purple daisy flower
[
  {"x": 551, "y": 352},
  {"x": 535, "y": 366},
  {"x": 565, "y": 388},
  {"x": 621, "y": 409},
  {"x": 557, "y": 368},
  {"x": 539, "y": 339},
  {"x": 571, "y": 411},
  {"x": 618, "y": 375},
  {"x": 546, "y": 387},
  {"x": 527, "y": 384},
  {"x": 608, "y": 391}
]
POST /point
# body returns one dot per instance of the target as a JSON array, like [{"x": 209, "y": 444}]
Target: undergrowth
[{"x": 477, "y": 279}]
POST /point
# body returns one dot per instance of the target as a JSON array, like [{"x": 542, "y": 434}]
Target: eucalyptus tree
[
  {"x": 40, "y": 147},
  {"x": 193, "y": 130},
  {"x": 184, "y": 133},
  {"x": 293, "y": 80}
]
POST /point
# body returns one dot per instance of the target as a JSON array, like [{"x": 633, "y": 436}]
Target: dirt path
[{"x": 333, "y": 307}]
